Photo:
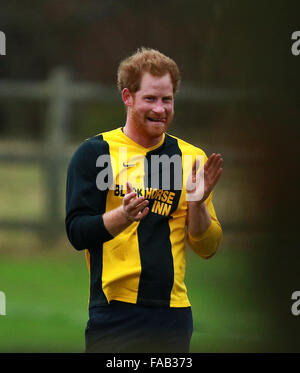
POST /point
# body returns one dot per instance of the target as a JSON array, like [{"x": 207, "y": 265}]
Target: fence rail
[{"x": 60, "y": 92}]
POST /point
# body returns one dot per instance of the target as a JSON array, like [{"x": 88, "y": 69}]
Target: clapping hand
[{"x": 200, "y": 185}]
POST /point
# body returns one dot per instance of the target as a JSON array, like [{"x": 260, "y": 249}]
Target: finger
[
  {"x": 213, "y": 166},
  {"x": 213, "y": 174},
  {"x": 127, "y": 198},
  {"x": 139, "y": 208},
  {"x": 135, "y": 214},
  {"x": 210, "y": 160},
  {"x": 134, "y": 203},
  {"x": 194, "y": 171},
  {"x": 142, "y": 214},
  {"x": 216, "y": 167},
  {"x": 213, "y": 160},
  {"x": 216, "y": 177},
  {"x": 217, "y": 159},
  {"x": 195, "y": 165},
  {"x": 129, "y": 187}
]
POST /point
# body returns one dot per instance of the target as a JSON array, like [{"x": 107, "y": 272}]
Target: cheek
[
  {"x": 170, "y": 110},
  {"x": 140, "y": 115},
  {"x": 145, "y": 111},
  {"x": 142, "y": 109}
]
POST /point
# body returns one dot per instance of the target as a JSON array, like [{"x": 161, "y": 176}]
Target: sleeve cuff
[
  {"x": 203, "y": 235},
  {"x": 208, "y": 242},
  {"x": 89, "y": 231}
]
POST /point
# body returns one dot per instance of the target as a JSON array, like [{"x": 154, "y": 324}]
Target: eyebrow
[{"x": 154, "y": 96}]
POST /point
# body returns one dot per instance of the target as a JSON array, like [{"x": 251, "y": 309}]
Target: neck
[{"x": 141, "y": 139}]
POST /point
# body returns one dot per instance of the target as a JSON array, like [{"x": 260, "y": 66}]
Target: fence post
[{"x": 56, "y": 140}]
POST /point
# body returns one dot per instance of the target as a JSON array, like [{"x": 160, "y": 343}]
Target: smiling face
[{"x": 150, "y": 109}]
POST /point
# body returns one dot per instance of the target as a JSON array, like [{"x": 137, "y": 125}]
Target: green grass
[
  {"x": 47, "y": 297},
  {"x": 46, "y": 284},
  {"x": 228, "y": 309},
  {"x": 46, "y": 303}
]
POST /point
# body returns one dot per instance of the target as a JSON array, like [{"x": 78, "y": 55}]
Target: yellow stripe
[
  {"x": 121, "y": 260},
  {"x": 179, "y": 296}
]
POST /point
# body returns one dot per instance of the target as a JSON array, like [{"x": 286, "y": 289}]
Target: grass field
[
  {"x": 47, "y": 284},
  {"x": 47, "y": 297}
]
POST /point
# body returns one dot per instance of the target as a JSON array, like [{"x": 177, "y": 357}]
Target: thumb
[{"x": 195, "y": 167}]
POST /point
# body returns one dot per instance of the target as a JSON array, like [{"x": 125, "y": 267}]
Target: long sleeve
[
  {"x": 207, "y": 244},
  {"x": 85, "y": 203}
]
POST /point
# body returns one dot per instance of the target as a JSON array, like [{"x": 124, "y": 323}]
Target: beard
[{"x": 152, "y": 129}]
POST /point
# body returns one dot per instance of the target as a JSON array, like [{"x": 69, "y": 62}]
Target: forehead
[{"x": 156, "y": 84}]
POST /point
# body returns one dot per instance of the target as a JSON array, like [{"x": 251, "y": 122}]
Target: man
[{"x": 130, "y": 205}]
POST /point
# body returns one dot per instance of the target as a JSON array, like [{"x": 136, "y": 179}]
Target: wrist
[
  {"x": 197, "y": 204},
  {"x": 124, "y": 216}
]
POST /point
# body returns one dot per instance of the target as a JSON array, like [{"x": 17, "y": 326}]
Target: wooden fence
[{"x": 60, "y": 92}]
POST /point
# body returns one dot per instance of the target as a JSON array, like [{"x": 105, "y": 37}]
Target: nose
[{"x": 158, "y": 108}]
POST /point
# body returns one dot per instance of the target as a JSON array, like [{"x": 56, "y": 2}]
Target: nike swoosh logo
[{"x": 129, "y": 164}]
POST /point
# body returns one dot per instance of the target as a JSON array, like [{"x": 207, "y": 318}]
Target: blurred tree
[{"x": 215, "y": 42}]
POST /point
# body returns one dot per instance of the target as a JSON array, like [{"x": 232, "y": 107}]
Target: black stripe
[
  {"x": 157, "y": 275},
  {"x": 97, "y": 296}
]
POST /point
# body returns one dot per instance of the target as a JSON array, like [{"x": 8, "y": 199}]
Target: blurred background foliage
[
  {"x": 239, "y": 54},
  {"x": 217, "y": 44}
]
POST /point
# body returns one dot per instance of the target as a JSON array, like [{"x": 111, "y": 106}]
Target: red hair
[{"x": 131, "y": 69}]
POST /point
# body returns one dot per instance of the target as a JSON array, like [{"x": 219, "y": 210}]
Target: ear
[{"x": 127, "y": 97}]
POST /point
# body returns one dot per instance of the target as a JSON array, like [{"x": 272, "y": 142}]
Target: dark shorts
[{"x": 125, "y": 327}]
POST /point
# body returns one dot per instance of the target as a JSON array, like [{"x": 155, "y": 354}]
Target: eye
[
  {"x": 149, "y": 98},
  {"x": 168, "y": 99}
]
